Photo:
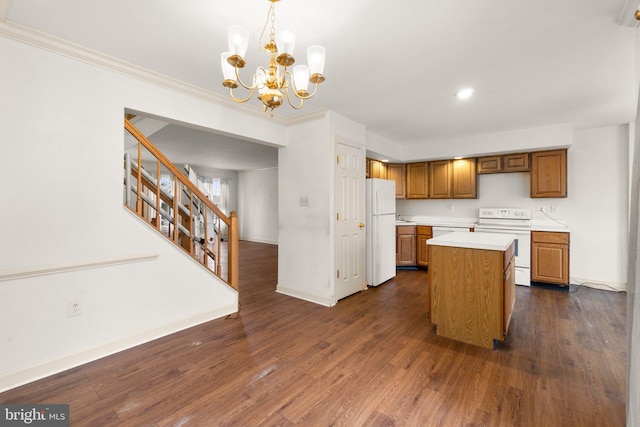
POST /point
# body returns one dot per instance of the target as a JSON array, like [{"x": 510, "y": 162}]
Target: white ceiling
[{"x": 392, "y": 66}]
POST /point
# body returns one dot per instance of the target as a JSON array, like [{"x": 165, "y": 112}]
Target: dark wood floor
[{"x": 372, "y": 360}]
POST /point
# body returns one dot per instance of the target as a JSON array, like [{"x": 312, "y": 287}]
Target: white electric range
[{"x": 514, "y": 221}]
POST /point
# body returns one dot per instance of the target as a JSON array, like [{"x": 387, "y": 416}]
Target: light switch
[{"x": 304, "y": 201}]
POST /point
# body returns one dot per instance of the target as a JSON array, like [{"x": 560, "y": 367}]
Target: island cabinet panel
[{"x": 471, "y": 293}]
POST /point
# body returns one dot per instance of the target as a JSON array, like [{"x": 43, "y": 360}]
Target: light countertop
[
  {"x": 435, "y": 221},
  {"x": 486, "y": 241},
  {"x": 545, "y": 225}
]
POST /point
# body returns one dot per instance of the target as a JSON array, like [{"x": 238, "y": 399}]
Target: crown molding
[
  {"x": 627, "y": 14},
  {"x": 66, "y": 48}
]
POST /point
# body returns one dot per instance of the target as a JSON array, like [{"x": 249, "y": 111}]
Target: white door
[{"x": 349, "y": 228}]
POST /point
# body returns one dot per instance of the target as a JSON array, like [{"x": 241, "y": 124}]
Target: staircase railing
[{"x": 166, "y": 199}]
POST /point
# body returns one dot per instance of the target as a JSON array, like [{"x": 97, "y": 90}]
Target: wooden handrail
[
  {"x": 231, "y": 221},
  {"x": 174, "y": 170}
]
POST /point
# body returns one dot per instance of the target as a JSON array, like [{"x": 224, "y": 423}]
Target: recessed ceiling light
[{"x": 465, "y": 93}]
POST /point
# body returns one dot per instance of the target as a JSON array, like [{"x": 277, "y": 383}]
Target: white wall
[
  {"x": 306, "y": 168},
  {"x": 595, "y": 209},
  {"x": 258, "y": 205},
  {"x": 303, "y": 231},
  {"x": 61, "y": 118}
]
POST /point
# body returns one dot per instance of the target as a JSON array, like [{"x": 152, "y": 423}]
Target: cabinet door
[
  {"x": 406, "y": 249},
  {"x": 417, "y": 180},
  {"x": 549, "y": 173},
  {"x": 490, "y": 164},
  {"x": 440, "y": 174},
  {"x": 422, "y": 252},
  {"x": 377, "y": 169},
  {"x": 516, "y": 162},
  {"x": 465, "y": 183},
  {"x": 550, "y": 263},
  {"x": 397, "y": 172}
]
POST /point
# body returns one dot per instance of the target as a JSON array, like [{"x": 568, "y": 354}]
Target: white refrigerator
[{"x": 380, "y": 230}]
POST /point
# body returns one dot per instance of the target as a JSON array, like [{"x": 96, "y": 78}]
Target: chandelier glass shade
[{"x": 279, "y": 80}]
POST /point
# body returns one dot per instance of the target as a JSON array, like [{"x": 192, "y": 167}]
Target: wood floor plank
[{"x": 374, "y": 359}]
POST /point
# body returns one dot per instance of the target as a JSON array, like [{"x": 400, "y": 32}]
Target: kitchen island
[{"x": 471, "y": 286}]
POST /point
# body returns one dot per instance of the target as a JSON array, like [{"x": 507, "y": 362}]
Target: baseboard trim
[
  {"x": 249, "y": 239},
  {"x": 599, "y": 284},
  {"x": 296, "y": 293},
  {"x": 15, "y": 379}
]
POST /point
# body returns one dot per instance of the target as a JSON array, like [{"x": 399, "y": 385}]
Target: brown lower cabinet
[
  {"x": 423, "y": 233},
  {"x": 406, "y": 245},
  {"x": 550, "y": 257}
]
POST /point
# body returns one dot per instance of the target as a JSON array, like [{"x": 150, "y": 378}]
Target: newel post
[{"x": 233, "y": 251}]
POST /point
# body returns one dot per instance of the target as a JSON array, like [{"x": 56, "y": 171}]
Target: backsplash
[{"x": 509, "y": 190}]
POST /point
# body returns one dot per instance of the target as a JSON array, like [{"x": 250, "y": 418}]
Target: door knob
[{"x": 361, "y": 225}]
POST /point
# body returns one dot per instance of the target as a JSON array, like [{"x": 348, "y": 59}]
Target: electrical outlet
[
  {"x": 74, "y": 308},
  {"x": 542, "y": 209},
  {"x": 553, "y": 209}
]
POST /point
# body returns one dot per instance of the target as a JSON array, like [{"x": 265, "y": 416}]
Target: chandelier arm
[
  {"x": 289, "y": 100},
  {"x": 239, "y": 80},
  {"x": 315, "y": 89},
  {"x": 241, "y": 100}
]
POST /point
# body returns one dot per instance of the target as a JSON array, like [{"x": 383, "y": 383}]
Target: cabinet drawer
[
  {"x": 549, "y": 237},
  {"x": 424, "y": 229},
  {"x": 406, "y": 229}
]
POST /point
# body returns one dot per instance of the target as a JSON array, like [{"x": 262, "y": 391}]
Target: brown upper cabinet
[
  {"x": 453, "y": 179},
  {"x": 440, "y": 177},
  {"x": 515, "y": 162},
  {"x": 518, "y": 162},
  {"x": 376, "y": 169},
  {"x": 397, "y": 172},
  {"x": 417, "y": 180},
  {"x": 465, "y": 182},
  {"x": 490, "y": 164},
  {"x": 549, "y": 173}
]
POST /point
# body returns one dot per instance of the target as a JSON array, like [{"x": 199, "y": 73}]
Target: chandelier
[{"x": 275, "y": 82}]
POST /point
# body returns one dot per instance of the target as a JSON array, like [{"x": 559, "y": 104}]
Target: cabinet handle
[{"x": 361, "y": 225}]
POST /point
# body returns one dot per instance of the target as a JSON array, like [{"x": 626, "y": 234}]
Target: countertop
[
  {"x": 486, "y": 241},
  {"x": 547, "y": 225},
  {"x": 435, "y": 221}
]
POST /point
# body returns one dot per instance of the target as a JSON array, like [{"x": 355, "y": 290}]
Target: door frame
[{"x": 362, "y": 166}]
